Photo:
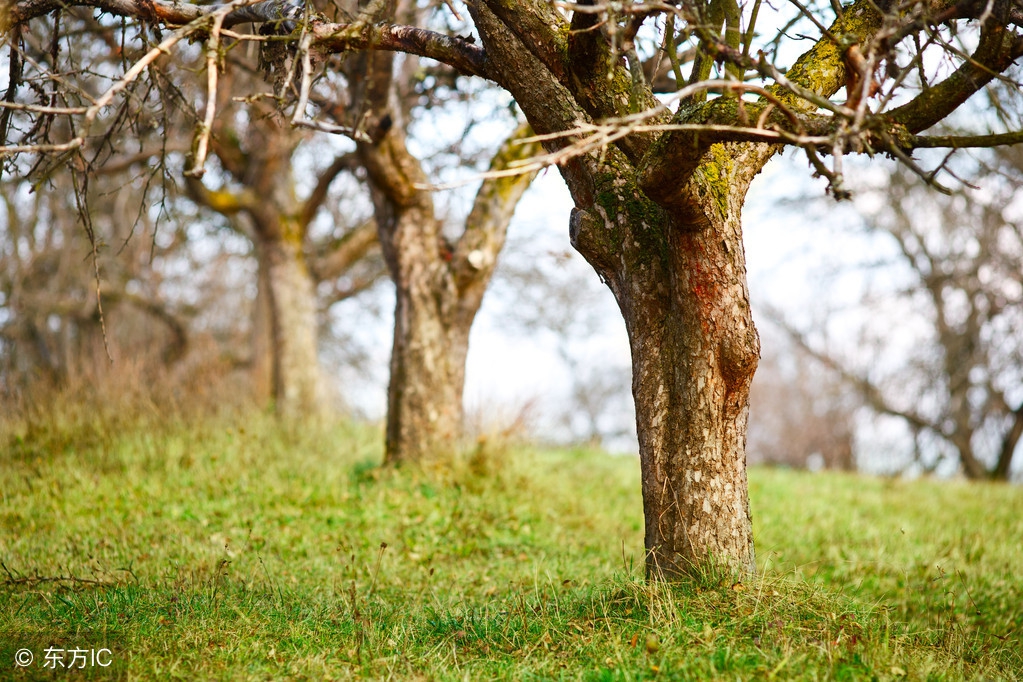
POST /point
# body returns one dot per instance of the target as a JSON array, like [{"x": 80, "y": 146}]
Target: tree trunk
[
  {"x": 424, "y": 396},
  {"x": 1003, "y": 467},
  {"x": 297, "y": 384},
  {"x": 680, "y": 281},
  {"x": 972, "y": 467},
  {"x": 284, "y": 334},
  {"x": 672, "y": 254}
]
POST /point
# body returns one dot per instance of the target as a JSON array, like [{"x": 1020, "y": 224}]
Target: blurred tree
[
  {"x": 552, "y": 293},
  {"x": 960, "y": 290},
  {"x": 253, "y": 185},
  {"x": 170, "y": 295},
  {"x": 658, "y": 191},
  {"x": 256, "y": 149},
  {"x": 51, "y": 325}
]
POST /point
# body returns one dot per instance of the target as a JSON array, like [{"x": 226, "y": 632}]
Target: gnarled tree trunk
[
  {"x": 424, "y": 394},
  {"x": 439, "y": 285},
  {"x": 674, "y": 259},
  {"x": 658, "y": 217},
  {"x": 680, "y": 280}
]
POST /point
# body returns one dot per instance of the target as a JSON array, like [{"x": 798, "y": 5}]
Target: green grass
[{"x": 213, "y": 550}]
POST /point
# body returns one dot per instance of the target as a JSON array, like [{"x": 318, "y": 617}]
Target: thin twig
[
  {"x": 307, "y": 76},
  {"x": 40, "y": 109},
  {"x": 356, "y": 135}
]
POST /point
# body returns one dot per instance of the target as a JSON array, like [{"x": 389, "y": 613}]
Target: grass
[{"x": 240, "y": 550}]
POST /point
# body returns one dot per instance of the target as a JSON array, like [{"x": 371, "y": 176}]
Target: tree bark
[
  {"x": 424, "y": 395},
  {"x": 1003, "y": 467}
]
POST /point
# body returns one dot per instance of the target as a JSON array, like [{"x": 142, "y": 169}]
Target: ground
[{"x": 233, "y": 548}]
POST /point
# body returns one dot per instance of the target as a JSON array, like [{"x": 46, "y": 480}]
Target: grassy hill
[{"x": 240, "y": 550}]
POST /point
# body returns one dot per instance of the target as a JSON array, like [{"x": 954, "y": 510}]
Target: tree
[
  {"x": 439, "y": 281},
  {"x": 167, "y": 323},
  {"x": 253, "y": 185},
  {"x": 439, "y": 288},
  {"x": 51, "y": 327},
  {"x": 959, "y": 297},
  {"x": 264, "y": 204},
  {"x": 659, "y": 192}
]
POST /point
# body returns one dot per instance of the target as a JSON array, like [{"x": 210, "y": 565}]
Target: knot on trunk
[
  {"x": 585, "y": 230},
  {"x": 738, "y": 357}
]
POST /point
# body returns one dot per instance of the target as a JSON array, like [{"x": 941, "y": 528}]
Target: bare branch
[
  {"x": 870, "y": 392},
  {"x": 475, "y": 254},
  {"x": 965, "y": 141},
  {"x": 39, "y": 109},
  {"x": 337, "y": 257},
  {"x": 996, "y": 52}
]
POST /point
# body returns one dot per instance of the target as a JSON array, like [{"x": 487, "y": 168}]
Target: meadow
[{"x": 234, "y": 548}]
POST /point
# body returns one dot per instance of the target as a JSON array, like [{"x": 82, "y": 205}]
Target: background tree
[
  {"x": 52, "y": 327},
  {"x": 958, "y": 300},
  {"x": 254, "y": 184},
  {"x": 550, "y": 297},
  {"x": 439, "y": 288},
  {"x": 659, "y": 191},
  {"x": 263, "y": 203},
  {"x": 168, "y": 314},
  {"x": 440, "y": 275}
]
